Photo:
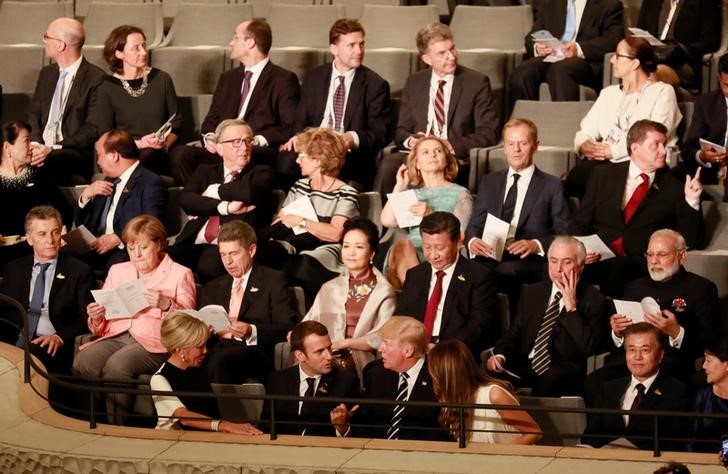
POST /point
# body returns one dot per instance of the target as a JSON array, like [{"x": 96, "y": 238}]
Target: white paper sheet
[
  {"x": 707, "y": 145},
  {"x": 631, "y": 309},
  {"x": 213, "y": 315},
  {"x": 639, "y": 33},
  {"x": 495, "y": 234},
  {"x": 594, "y": 244},
  {"x": 80, "y": 239},
  {"x": 122, "y": 302},
  {"x": 401, "y": 204},
  {"x": 165, "y": 129},
  {"x": 301, "y": 207},
  {"x": 545, "y": 38}
]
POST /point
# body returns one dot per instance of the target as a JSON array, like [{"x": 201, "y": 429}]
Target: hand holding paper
[
  {"x": 301, "y": 207},
  {"x": 402, "y": 206},
  {"x": 122, "y": 302},
  {"x": 495, "y": 234}
]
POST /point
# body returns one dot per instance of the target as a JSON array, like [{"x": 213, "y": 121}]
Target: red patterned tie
[
  {"x": 432, "y": 304},
  {"x": 339, "y": 96},
  {"x": 213, "y": 222},
  {"x": 440, "y": 107},
  {"x": 634, "y": 202}
]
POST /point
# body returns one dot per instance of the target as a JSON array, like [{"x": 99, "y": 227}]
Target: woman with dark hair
[
  {"x": 136, "y": 97},
  {"x": 713, "y": 398},
  {"x": 456, "y": 378},
  {"x": 355, "y": 304},
  {"x": 602, "y": 137},
  {"x": 430, "y": 170},
  {"x": 22, "y": 187}
]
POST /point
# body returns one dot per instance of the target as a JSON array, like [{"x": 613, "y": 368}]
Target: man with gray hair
[
  {"x": 64, "y": 96},
  {"x": 558, "y": 324},
  {"x": 234, "y": 189}
]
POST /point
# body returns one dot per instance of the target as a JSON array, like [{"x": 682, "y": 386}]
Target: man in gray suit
[{"x": 447, "y": 100}]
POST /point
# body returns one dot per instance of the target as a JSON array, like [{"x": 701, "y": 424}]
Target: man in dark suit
[
  {"x": 260, "y": 308},
  {"x": 234, "y": 189},
  {"x": 350, "y": 98},
  {"x": 558, "y": 325},
  {"x": 400, "y": 375},
  {"x": 62, "y": 137},
  {"x": 647, "y": 388},
  {"x": 313, "y": 376},
  {"x": 709, "y": 123},
  {"x": 689, "y": 28},
  {"x": 55, "y": 289},
  {"x": 107, "y": 205},
  {"x": 626, "y": 202},
  {"x": 460, "y": 301},
  {"x": 532, "y": 201},
  {"x": 259, "y": 92},
  {"x": 447, "y": 100},
  {"x": 587, "y": 29}
]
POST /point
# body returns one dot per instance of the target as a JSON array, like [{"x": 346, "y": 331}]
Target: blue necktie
[
  {"x": 107, "y": 207},
  {"x": 36, "y": 303},
  {"x": 55, "y": 114},
  {"x": 570, "y": 29}
]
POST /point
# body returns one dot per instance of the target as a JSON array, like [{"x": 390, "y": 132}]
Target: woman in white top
[
  {"x": 457, "y": 378},
  {"x": 603, "y": 134}
]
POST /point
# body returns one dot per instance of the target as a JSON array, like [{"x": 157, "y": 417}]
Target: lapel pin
[
  {"x": 61, "y": 276},
  {"x": 679, "y": 304},
  {"x": 461, "y": 277},
  {"x": 658, "y": 392},
  {"x": 253, "y": 289}
]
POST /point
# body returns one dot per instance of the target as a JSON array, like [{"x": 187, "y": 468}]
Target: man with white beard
[{"x": 689, "y": 307}]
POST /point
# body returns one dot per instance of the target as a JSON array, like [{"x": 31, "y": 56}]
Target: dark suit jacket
[
  {"x": 470, "y": 311},
  {"x": 69, "y": 296},
  {"x": 272, "y": 107},
  {"x": 144, "y": 194},
  {"x": 709, "y": 123},
  {"x": 576, "y": 335},
  {"x": 545, "y": 212},
  {"x": 472, "y": 120},
  {"x": 665, "y": 393},
  {"x": 267, "y": 303},
  {"x": 417, "y": 422},
  {"x": 77, "y": 132},
  {"x": 253, "y": 185},
  {"x": 600, "y": 29},
  {"x": 664, "y": 206},
  {"x": 696, "y": 29},
  {"x": 335, "y": 384}
]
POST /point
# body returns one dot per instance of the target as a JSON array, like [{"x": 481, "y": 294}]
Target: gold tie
[{"x": 236, "y": 299}]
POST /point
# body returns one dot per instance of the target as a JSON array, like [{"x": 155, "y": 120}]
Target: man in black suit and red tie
[
  {"x": 349, "y": 98},
  {"x": 459, "y": 302},
  {"x": 258, "y": 92},
  {"x": 587, "y": 29},
  {"x": 260, "y": 307},
  {"x": 646, "y": 388},
  {"x": 315, "y": 375},
  {"x": 234, "y": 189},
  {"x": 625, "y": 203}
]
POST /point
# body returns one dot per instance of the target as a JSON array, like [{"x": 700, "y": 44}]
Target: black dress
[
  {"x": 708, "y": 431},
  {"x": 193, "y": 379}
]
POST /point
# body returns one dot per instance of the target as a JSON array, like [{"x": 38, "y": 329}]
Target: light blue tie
[
  {"x": 36, "y": 303},
  {"x": 570, "y": 29},
  {"x": 52, "y": 124}
]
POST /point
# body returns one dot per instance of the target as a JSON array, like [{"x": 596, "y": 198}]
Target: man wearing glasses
[
  {"x": 64, "y": 95},
  {"x": 234, "y": 189}
]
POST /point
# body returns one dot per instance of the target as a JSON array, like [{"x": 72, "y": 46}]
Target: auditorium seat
[
  {"x": 193, "y": 110},
  {"x": 26, "y": 22},
  {"x": 199, "y": 37},
  {"x": 353, "y": 8},
  {"x": 240, "y": 410},
  {"x": 171, "y": 7},
  {"x": 261, "y": 8},
  {"x": 19, "y": 73},
  {"x": 710, "y": 61},
  {"x": 555, "y": 423}
]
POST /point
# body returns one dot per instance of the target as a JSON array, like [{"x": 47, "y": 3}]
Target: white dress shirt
[
  {"x": 447, "y": 93},
  {"x": 445, "y": 285},
  {"x": 303, "y": 385},
  {"x": 554, "y": 289},
  {"x": 413, "y": 373},
  {"x": 118, "y": 190},
  {"x": 329, "y": 110}
]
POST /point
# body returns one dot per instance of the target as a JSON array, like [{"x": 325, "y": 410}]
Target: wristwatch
[{"x": 302, "y": 223}]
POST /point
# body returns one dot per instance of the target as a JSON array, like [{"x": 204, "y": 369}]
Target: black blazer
[
  {"x": 252, "y": 186},
  {"x": 77, "y": 132},
  {"x": 576, "y": 335},
  {"x": 545, "y": 212},
  {"x": 417, "y": 422},
  {"x": 144, "y": 194},
  {"x": 470, "y": 312},
  {"x": 665, "y": 393},
  {"x": 271, "y": 110},
  {"x": 267, "y": 303},
  {"x": 335, "y": 384},
  {"x": 664, "y": 206},
  {"x": 709, "y": 123},
  {"x": 600, "y": 29},
  {"x": 69, "y": 296},
  {"x": 472, "y": 120}
]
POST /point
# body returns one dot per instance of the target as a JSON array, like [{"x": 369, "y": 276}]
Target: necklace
[{"x": 135, "y": 92}]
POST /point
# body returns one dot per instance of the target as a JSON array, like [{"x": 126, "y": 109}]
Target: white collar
[{"x": 258, "y": 67}]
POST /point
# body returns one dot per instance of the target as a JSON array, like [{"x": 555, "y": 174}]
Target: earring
[{"x": 182, "y": 356}]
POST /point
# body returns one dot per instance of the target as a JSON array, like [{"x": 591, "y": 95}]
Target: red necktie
[
  {"x": 432, "y": 304},
  {"x": 440, "y": 108},
  {"x": 213, "y": 222},
  {"x": 634, "y": 202}
]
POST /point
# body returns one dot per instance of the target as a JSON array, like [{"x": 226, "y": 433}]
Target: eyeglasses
[
  {"x": 618, "y": 55},
  {"x": 47, "y": 37},
  {"x": 238, "y": 142}
]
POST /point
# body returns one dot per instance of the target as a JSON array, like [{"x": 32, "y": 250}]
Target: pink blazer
[{"x": 171, "y": 279}]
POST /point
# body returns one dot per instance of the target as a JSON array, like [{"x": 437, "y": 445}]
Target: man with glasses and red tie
[
  {"x": 233, "y": 189},
  {"x": 626, "y": 202}
]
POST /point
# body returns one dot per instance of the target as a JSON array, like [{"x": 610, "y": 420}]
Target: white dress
[{"x": 489, "y": 420}]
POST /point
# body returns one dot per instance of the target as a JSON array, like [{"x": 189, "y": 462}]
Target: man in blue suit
[
  {"x": 127, "y": 191},
  {"x": 532, "y": 201}
]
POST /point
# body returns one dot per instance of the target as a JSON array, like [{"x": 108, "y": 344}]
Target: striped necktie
[
  {"x": 440, "y": 108},
  {"x": 393, "y": 431},
  {"x": 541, "y": 358}
]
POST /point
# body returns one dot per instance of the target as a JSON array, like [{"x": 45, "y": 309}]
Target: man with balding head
[{"x": 65, "y": 93}]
